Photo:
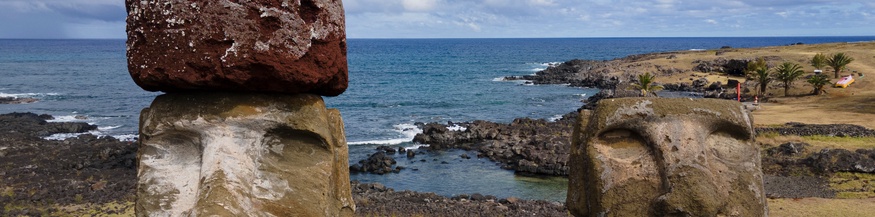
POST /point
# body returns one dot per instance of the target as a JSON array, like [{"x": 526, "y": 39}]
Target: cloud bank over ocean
[{"x": 499, "y": 18}]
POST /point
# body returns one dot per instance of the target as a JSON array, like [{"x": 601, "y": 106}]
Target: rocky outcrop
[
  {"x": 35, "y": 125},
  {"x": 17, "y": 100},
  {"x": 576, "y": 73},
  {"x": 665, "y": 157},
  {"x": 378, "y": 163},
  {"x": 841, "y": 160},
  {"x": 261, "y": 45},
  {"x": 60, "y": 173},
  {"x": 525, "y": 145},
  {"x": 223, "y": 153},
  {"x": 793, "y": 158}
]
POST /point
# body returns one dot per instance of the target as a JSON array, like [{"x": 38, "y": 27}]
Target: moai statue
[
  {"x": 242, "y": 129},
  {"x": 232, "y": 154},
  {"x": 665, "y": 157}
]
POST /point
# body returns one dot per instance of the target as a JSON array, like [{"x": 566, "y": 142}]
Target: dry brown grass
[
  {"x": 853, "y": 105},
  {"x": 819, "y": 142},
  {"x": 818, "y": 207}
]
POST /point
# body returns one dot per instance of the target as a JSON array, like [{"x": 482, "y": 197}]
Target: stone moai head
[
  {"x": 230, "y": 154},
  {"x": 665, "y": 157}
]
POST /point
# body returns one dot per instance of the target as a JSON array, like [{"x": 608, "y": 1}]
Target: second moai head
[
  {"x": 665, "y": 157},
  {"x": 231, "y": 154}
]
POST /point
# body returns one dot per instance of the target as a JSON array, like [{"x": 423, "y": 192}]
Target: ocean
[{"x": 394, "y": 83}]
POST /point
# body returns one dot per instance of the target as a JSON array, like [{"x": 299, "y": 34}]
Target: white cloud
[
  {"x": 499, "y": 18},
  {"x": 419, "y": 5},
  {"x": 542, "y": 2}
]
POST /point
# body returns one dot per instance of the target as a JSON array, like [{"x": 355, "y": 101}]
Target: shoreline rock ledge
[{"x": 261, "y": 46}]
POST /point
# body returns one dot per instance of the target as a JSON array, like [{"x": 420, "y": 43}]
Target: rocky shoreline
[
  {"x": 541, "y": 147},
  {"x": 525, "y": 145},
  {"x": 17, "y": 100},
  {"x": 614, "y": 76},
  {"x": 97, "y": 170},
  {"x": 46, "y": 177}
]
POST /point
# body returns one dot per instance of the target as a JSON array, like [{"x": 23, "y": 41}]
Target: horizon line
[{"x": 572, "y": 37}]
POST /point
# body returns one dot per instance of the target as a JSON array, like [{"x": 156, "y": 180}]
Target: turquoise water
[{"x": 393, "y": 84}]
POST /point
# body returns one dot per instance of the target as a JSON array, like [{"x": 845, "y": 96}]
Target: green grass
[
  {"x": 853, "y": 185},
  {"x": 851, "y": 143},
  {"x": 8, "y": 192}
]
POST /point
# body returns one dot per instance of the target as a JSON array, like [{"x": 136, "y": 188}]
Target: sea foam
[
  {"x": 406, "y": 131},
  {"x": 98, "y": 133},
  {"x": 20, "y": 95}
]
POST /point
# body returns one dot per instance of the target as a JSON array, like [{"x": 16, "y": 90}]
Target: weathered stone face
[
  {"x": 665, "y": 157},
  {"x": 280, "y": 46},
  {"x": 227, "y": 154}
]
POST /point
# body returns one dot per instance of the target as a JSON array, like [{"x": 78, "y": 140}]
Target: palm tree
[
  {"x": 759, "y": 70},
  {"x": 818, "y": 81},
  {"x": 818, "y": 61},
  {"x": 788, "y": 73},
  {"x": 838, "y": 62},
  {"x": 645, "y": 85}
]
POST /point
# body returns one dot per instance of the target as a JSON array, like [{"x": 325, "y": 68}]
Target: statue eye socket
[
  {"x": 727, "y": 147},
  {"x": 623, "y": 144}
]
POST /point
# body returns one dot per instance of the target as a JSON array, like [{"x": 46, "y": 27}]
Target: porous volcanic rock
[
  {"x": 377, "y": 163},
  {"x": 801, "y": 129},
  {"x": 374, "y": 199},
  {"x": 17, "y": 100},
  {"x": 260, "y": 45},
  {"x": 525, "y": 145}
]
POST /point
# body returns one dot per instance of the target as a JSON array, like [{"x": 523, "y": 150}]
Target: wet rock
[
  {"x": 577, "y": 73},
  {"x": 45, "y": 174},
  {"x": 261, "y": 45},
  {"x": 36, "y": 125},
  {"x": 525, "y": 145},
  {"x": 387, "y": 149},
  {"x": 478, "y": 197},
  {"x": 17, "y": 100},
  {"x": 377, "y": 163}
]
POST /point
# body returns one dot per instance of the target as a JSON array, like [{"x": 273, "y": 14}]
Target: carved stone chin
[
  {"x": 231, "y": 154},
  {"x": 665, "y": 157}
]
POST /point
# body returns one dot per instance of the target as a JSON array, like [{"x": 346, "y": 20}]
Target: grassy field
[{"x": 852, "y": 105}]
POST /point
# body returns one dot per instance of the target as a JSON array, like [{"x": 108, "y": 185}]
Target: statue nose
[
  {"x": 689, "y": 192},
  {"x": 688, "y": 183}
]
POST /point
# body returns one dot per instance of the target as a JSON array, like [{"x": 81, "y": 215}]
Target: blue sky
[{"x": 500, "y": 18}]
